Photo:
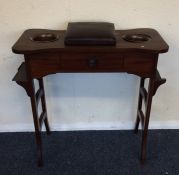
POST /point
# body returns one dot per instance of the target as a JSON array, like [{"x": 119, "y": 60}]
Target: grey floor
[{"x": 90, "y": 153}]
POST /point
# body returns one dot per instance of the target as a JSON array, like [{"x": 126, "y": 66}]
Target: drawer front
[
  {"x": 44, "y": 64},
  {"x": 91, "y": 62},
  {"x": 140, "y": 64}
]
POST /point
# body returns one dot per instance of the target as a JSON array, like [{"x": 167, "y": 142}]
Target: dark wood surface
[
  {"x": 42, "y": 64},
  {"x": 44, "y": 58},
  {"x": 26, "y": 46}
]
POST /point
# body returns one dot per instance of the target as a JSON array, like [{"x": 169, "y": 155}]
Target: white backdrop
[{"x": 88, "y": 101}]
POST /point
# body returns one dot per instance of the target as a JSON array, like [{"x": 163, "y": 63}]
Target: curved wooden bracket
[
  {"x": 21, "y": 78},
  {"x": 25, "y": 86},
  {"x": 158, "y": 82}
]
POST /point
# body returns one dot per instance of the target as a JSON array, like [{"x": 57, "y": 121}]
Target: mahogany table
[{"x": 44, "y": 57}]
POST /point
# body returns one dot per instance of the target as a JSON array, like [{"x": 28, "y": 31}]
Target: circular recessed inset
[
  {"x": 45, "y": 37},
  {"x": 136, "y": 38}
]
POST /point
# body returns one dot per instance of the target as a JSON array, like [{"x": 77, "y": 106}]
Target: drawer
[
  {"x": 140, "y": 63},
  {"x": 91, "y": 62},
  {"x": 43, "y": 64}
]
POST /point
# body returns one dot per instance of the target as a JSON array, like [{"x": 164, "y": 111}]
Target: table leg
[
  {"x": 44, "y": 108},
  {"x": 147, "y": 117},
  {"x": 142, "y": 80},
  {"x": 36, "y": 122}
]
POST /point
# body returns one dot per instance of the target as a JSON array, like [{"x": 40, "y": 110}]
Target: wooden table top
[{"x": 25, "y": 45}]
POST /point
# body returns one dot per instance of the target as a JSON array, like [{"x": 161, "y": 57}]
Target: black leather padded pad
[{"x": 90, "y": 33}]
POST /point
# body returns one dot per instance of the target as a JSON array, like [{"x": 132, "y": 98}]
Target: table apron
[{"x": 142, "y": 64}]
